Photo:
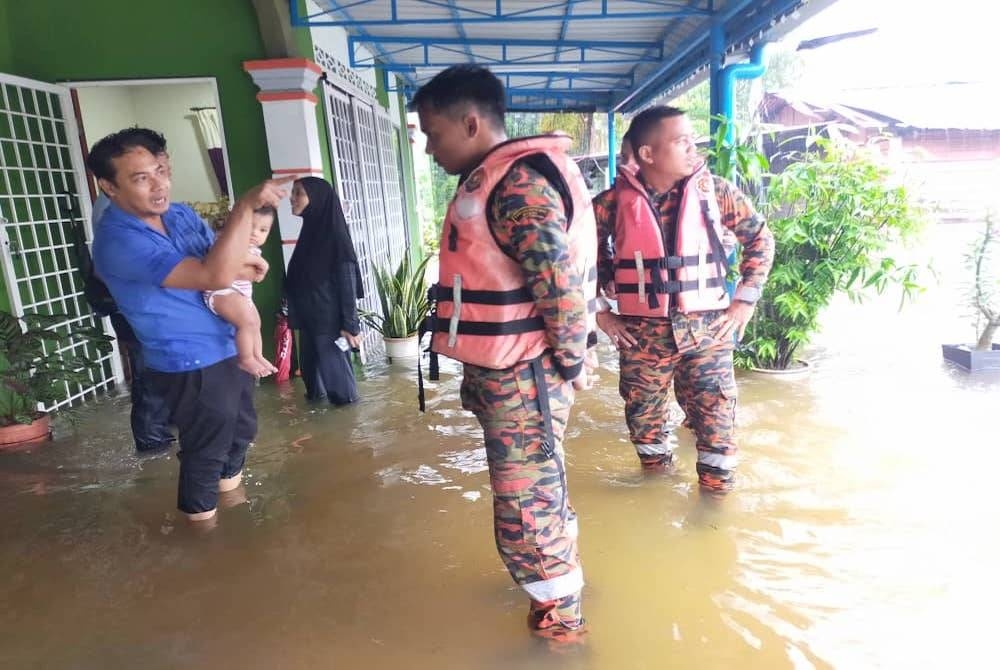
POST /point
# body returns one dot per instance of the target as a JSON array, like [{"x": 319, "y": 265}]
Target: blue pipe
[
  {"x": 612, "y": 150},
  {"x": 726, "y": 83},
  {"x": 756, "y": 67}
]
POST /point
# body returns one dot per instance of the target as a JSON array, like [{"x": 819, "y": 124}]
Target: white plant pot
[{"x": 402, "y": 349}]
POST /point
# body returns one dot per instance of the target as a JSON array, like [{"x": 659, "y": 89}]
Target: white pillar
[{"x": 293, "y": 145}]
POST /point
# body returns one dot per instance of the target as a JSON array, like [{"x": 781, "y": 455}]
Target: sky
[{"x": 917, "y": 42}]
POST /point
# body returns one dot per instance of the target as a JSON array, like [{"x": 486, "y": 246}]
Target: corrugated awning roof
[{"x": 580, "y": 55}]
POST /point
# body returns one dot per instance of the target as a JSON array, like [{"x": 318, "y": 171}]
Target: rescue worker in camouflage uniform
[
  {"x": 515, "y": 304},
  {"x": 662, "y": 253}
]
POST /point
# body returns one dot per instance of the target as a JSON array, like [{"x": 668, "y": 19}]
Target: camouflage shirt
[
  {"x": 738, "y": 217},
  {"x": 528, "y": 221}
]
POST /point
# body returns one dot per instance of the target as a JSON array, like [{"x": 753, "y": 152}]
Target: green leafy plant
[
  {"x": 403, "y": 298},
  {"x": 31, "y": 373},
  {"x": 836, "y": 219},
  {"x": 740, "y": 161},
  {"x": 983, "y": 260}
]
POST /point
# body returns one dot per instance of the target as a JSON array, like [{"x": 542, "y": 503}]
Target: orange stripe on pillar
[
  {"x": 281, "y": 96},
  {"x": 281, "y": 63}
]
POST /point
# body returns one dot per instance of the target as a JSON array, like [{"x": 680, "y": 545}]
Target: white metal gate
[
  {"x": 366, "y": 164},
  {"x": 41, "y": 192}
]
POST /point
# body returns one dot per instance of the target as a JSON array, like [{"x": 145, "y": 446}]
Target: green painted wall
[
  {"x": 191, "y": 38},
  {"x": 54, "y": 41},
  {"x": 6, "y": 51}
]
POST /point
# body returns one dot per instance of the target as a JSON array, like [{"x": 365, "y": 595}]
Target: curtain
[{"x": 211, "y": 137}]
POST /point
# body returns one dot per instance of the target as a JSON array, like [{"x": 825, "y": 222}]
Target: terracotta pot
[{"x": 25, "y": 433}]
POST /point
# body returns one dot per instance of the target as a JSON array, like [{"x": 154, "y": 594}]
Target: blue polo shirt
[{"x": 177, "y": 331}]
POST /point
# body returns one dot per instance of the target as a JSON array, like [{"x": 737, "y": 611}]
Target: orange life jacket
[
  {"x": 693, "y": 274},
  {"x": 485, "y": 315}
]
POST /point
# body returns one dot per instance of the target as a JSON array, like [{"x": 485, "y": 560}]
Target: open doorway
[{"x": 188, "y": 114}]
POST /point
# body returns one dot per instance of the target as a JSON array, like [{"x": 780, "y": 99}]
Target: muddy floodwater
[{"x": 865, "y": 532}]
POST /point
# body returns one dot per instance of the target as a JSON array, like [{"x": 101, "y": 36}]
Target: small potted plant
[
  {"x": 403, "y": 299},
  {"x": 983, "y": 261},
  {"x": 34, "y": 373}
]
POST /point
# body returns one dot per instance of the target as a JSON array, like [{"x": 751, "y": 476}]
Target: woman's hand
[{"x": 353, "y": 340}]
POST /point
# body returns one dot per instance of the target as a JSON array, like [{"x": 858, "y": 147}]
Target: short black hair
[
  {"x": 266, "y": 210},
  {"x": 627, "y": 141},
  {"x": 116, "y": 144},
  {"x": 644, "y": 124},
  {"x": 460, "y": 85}
]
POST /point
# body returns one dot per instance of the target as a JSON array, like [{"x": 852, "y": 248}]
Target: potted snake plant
[{"x": 402, "y": 297}]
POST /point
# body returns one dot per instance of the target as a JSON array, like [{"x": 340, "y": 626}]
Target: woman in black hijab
[{"x": 322, "y": 285}]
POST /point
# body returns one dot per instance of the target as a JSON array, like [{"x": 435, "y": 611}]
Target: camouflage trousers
[
  {"x": 705, "y": 388},
  {"x": 534, "y": 523}
]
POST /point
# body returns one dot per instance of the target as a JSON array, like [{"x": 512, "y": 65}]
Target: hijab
[{"x": 324, "y": 242}]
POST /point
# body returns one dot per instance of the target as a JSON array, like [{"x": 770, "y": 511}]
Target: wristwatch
[
  {"x": 747, "y": 294},
  {"x": 602, "y": 305}
]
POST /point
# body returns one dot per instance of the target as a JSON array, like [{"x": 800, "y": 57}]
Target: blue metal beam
[
  {"x": 765, "y": 17},
  {"x": 739, "y": 20},
  {"x": 602, "y": 82},
  {"x": 660, "y": 9},
  {"x": 562, "y": 33},
  {"x": 583, "y": 57},
  {"x": 577, "y": 109},
  {"x": 642, "y": 93},
  {"x": 540, "y": 93},
  {"x": 561, "y": 92},
  {"x": 460, "y": 28},
  {"x": 698, "y": 52},
  {"x": 552, "y": 101},
  {"x": 598, "y": 78},
  {"x": 668, "y": 31},
  {"x": 694, "y": 61},
  {"x": 500, "y": 41},
  {"x": 294, "y": 9}
]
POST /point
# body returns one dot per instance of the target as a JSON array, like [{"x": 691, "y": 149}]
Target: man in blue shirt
[
  {"x": 150, "y": 415},
  {"x": 156, "y": 259}
]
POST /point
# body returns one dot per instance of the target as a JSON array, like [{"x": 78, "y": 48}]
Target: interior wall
[{"x": 166, "y": 108}]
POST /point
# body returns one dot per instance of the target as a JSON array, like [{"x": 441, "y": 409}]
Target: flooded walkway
[{"x": 863, "y": 534}]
